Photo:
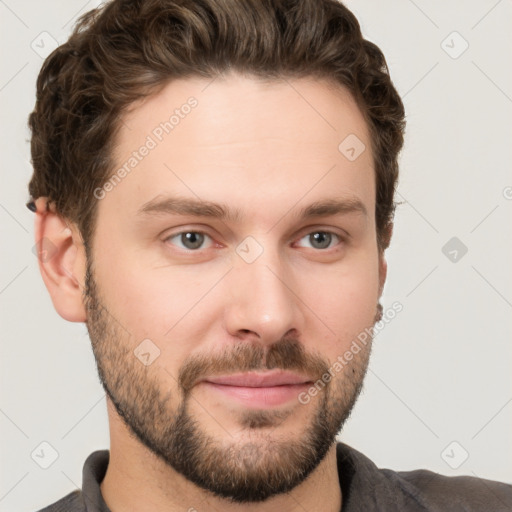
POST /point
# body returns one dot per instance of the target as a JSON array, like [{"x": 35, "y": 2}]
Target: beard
[{"x": 253, "y": 469}]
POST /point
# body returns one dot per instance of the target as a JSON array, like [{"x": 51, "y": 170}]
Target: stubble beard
[{"x": 261, "y": 465}]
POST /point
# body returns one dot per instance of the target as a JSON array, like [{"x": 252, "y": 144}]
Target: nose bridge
[{"x": 262, "y": 300}]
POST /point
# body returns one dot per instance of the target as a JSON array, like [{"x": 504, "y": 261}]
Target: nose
[{"x": 262, "y": 301}]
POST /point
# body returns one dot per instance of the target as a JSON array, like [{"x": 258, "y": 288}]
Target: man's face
[{"x": 208, "y": 330}]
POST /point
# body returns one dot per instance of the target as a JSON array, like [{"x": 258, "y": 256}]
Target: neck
[{"x": 137, "y": 480}]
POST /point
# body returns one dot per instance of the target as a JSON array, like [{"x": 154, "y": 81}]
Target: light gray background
[{"x": 440, "y": 370}]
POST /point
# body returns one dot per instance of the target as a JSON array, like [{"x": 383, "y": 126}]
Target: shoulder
[
  {"x": 465, "y": 493},
  {"x": 89, "y": 498},
  {"x": 362, "y": 482},
  {"x": 73, "y": 502}
]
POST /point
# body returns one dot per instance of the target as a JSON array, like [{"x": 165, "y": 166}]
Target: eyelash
[{"x": 340, "y": 238}]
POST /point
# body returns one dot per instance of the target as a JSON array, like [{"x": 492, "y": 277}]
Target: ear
[
  {"x": 383, "y": 271},
  {"x": 383, "y": 264},
  {"x": 62, "y": 261}
]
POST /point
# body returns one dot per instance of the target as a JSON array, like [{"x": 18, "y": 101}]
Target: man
[{"x": 216, "y": 180}]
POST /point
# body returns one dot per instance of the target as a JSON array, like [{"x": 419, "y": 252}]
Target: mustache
[{"x": 285, "y": 354}]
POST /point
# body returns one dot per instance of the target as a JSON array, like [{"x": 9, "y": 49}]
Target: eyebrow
[{"x": 200, "y": 208}]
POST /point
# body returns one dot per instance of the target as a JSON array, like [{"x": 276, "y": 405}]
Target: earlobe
[
  {"x": 383, "y": 270},
  {"x": 62, "y": 261},
  {"x": 383, "y": 264}
]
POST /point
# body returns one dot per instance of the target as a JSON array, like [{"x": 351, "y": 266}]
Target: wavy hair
[{"x": 128, "y": 49}]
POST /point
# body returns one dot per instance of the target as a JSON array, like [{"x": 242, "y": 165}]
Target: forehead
[{"x": 245, "y": 142}]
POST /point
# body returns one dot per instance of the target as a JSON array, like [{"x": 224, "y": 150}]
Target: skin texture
[{"x": 267, "y": 150}]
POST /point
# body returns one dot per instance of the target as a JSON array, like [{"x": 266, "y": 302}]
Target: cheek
[
  {"x": 342, "y": 301},
  {"x": 171, "y": 306},
  {"x": 344, "y": 293}
]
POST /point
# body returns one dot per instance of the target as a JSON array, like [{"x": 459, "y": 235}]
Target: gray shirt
[{"x": 364, "y": 487}]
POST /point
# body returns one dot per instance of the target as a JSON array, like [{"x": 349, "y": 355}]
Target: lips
[
  {"x": 258, "y": 390},
  {"x": 260, "y": 379}
]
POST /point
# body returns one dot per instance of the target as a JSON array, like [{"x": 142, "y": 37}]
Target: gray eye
[
  {"x": 190, "y": 240},
  {"x": 320, "y": 239}
]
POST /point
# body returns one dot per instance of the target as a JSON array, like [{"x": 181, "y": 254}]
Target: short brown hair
[{"x": 129, "y": 49}]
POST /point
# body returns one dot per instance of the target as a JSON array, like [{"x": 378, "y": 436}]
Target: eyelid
[
  {"x": 341, "y": 238},
  {"x": 182, "y": 231},
  {"x": 308, "y": 230},
  {"x": 339, "y": 232}
]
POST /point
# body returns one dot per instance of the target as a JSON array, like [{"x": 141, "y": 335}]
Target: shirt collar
[{"x": 95, "y": 468}]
